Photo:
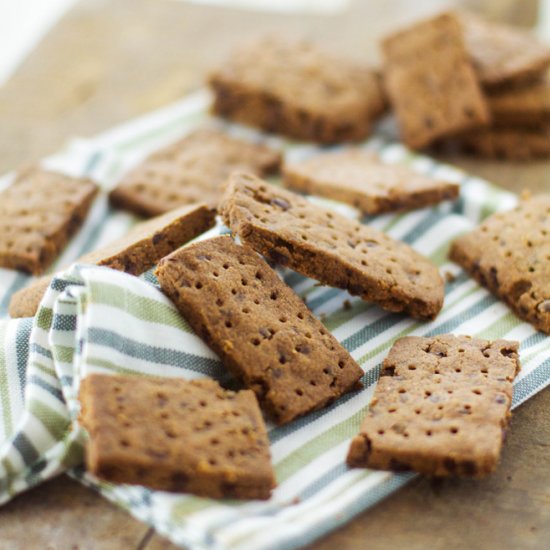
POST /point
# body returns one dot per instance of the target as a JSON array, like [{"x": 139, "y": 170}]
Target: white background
[{"x": 22, "y": 24}]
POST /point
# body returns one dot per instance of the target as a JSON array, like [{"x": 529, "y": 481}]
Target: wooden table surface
[{"x": 106, "y": 62}]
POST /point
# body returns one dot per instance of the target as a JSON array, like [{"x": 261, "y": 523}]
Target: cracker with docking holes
[
  {"x": 322, "y": 244},
  {"x": 431, "y": 83},
  {"x": 508, "y": 253},
  {"x": 441, "y": 407},
  {"x": 190, "y": 171},
  {"x": 39, "y": 213},
  {"x": 295, "y": 88},
  {"x": 139, "y": 250},
  {"x": 176, "y": 435},
  {"x": 263, "y": 332},
  {"x": 502, "y": 55},
  {"x": 367, "y": 183}
]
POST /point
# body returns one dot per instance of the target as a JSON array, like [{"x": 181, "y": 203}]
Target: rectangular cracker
[
  {"x": 515, "y": 144},
  {"x": 261, "y": 330},
  {"x": 527, "y": 107},
  {"x": 176, "y": 435},
  {"x": 503, "y": 55},
  {"x": 149, "y": 241},
  {"x": 508, "y": 253},
  {"x": 190, "y": 171},
  {"x": 25, "y": 302},
  {"x": 135, "y": 253},
  {"x": 441, "y": 407},
  {"x": 319, "y": 243},
  {"x": 295, "y": 88},
  {"x": 365, "y": 182},
  {"x": 39, "y": 213},
  {"x": 431, "y": 82}
]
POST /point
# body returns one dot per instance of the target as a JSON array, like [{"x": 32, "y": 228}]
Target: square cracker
[
  {"x": 365, "y": 182},
  {"x": 503, "y": 55},
  {"x": 262, "y": 331},
  {"x": 441, "y": 407},
  {"x": 176, "y": 435},
  {"x": 508, "y": 253},
  {"x": 295, "y": 88},
  {"x": 39, "y": 212},
  {"x": 190, "y": 171},
  {"x": 430, "y": 81},
  {"x": 322, "y": 244},
  {"x": 136, "y": 252}
]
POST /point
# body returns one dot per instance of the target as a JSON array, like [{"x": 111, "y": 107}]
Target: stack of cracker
[
  {"x": 480, "y": 82},
  {"x": 520, "y": 128}
]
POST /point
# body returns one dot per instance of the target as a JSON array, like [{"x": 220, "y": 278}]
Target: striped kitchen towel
[{"x": 96, "y": 319}]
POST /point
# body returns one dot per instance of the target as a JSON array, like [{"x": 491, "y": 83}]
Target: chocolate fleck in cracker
[
  {"x": 363, "y": 181},
  {"x": 176, "y": 435},
  {"x": 503, "y": 55},
  {"x": 262, "y": 331},
  {"x": 508, "y": 253},
  {"x": 431, "y": 82},
  {"x": 326, "y": 246},
  {"x": 513, "y": 144},
  {"x": 39, "y": 212},
  {"x": 135, "y": 253},
  {"x": 526, "y": 107},
  {"x": 295, "y": 88},
  {"x": 190, "y": 171},
  {"x": 441, "y": 407}
]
